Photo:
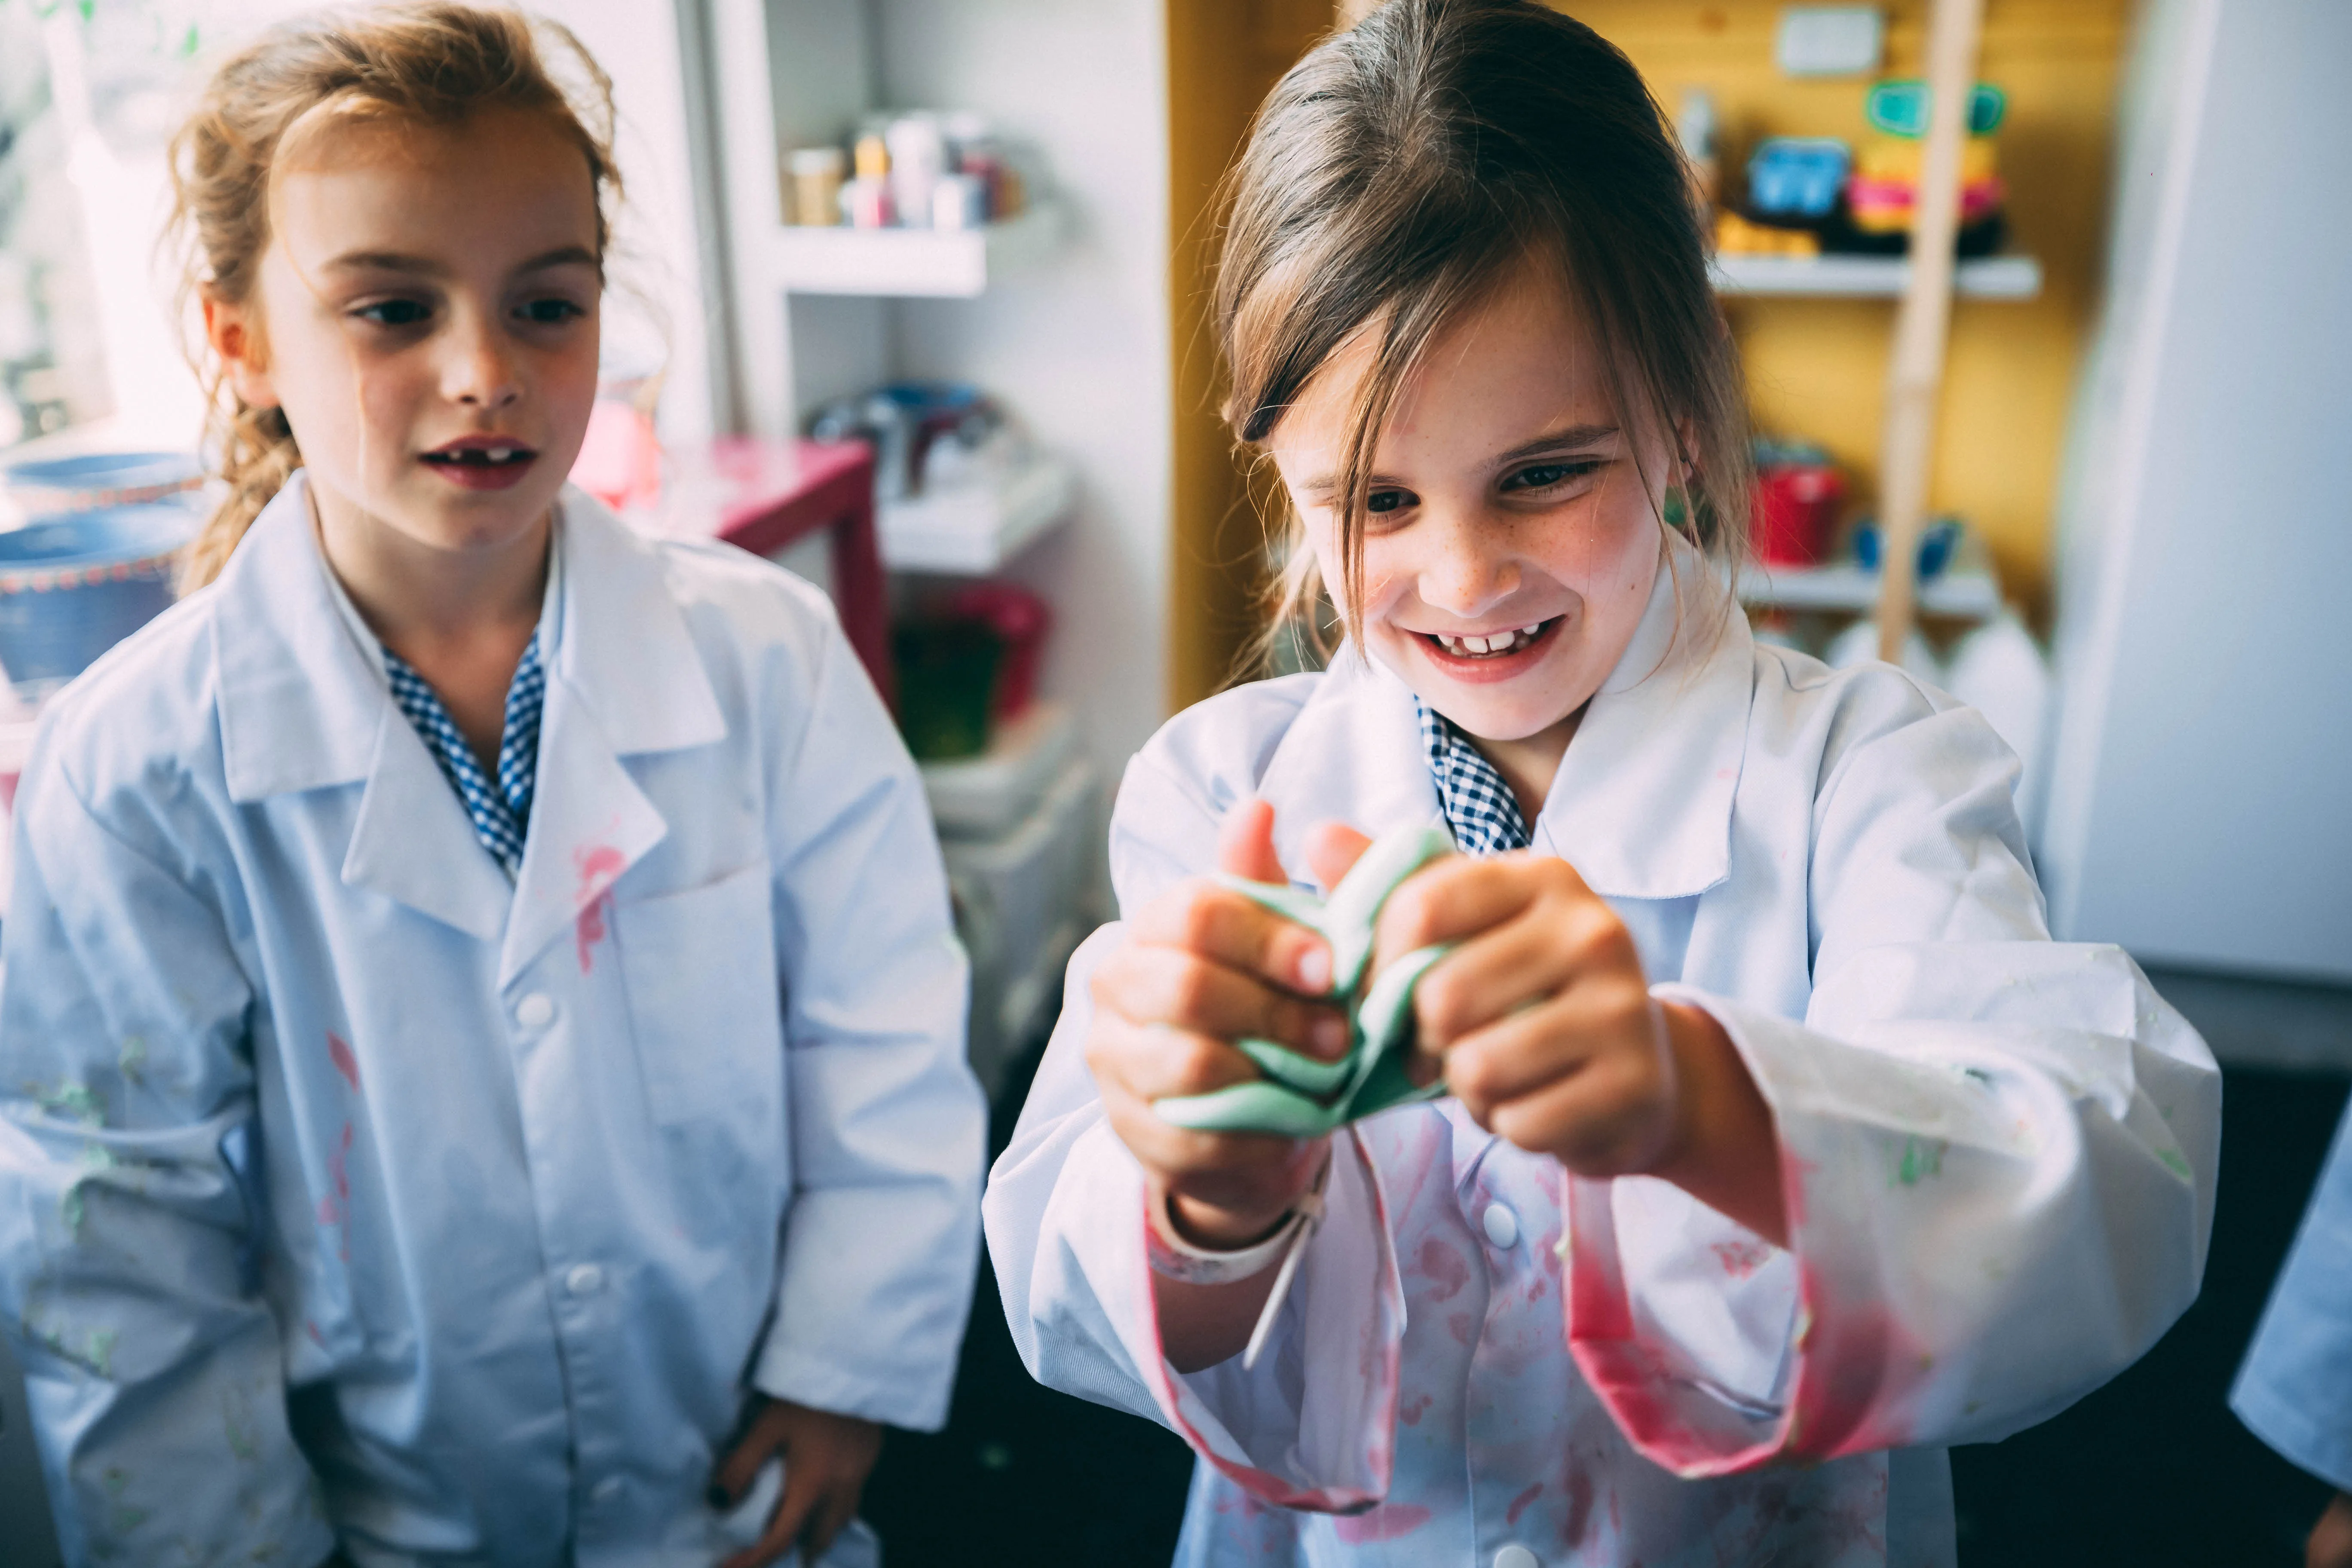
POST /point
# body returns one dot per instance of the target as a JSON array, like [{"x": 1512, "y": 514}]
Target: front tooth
[{"x": 501, "y": 454}]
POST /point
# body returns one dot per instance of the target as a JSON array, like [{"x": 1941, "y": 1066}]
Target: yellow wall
[
  {"x": 1817, "y": 368},
  {"x": 1223, "y": 57}
]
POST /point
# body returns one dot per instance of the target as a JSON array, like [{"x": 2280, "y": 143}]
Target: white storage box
[
  {"x": 986, "y": 796},
  {"x": 1018, "y": 907}
]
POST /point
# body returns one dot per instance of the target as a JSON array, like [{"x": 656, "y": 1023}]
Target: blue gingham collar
[
  {"x": 1480, "y": 809},
  {"x": 500, "y": 806}
]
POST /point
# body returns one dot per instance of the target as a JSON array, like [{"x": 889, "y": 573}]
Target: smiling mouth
[
  {"x": 1496, "y": 644},
  {"x": 481, "y": 457}
]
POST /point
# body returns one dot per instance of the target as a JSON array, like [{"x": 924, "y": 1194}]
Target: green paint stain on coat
[
  {"x": 1922, "y": 1157},
  {"x": 73, "y": 1101},
  {"x": 133, "y": 1060},
  {"x": 2177, "y": 1163}
]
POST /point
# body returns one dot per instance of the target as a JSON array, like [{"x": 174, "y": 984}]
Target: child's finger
[
  {"x": 1245, "y": 843},
  {"x": 1506, "y": 967},
  {"x": 832, "y": 1514},
  {"x": 741, "y": 1467},
  {"x": 803, "y": 1489},
  {"x": 1170, "y": 985},
  {"x": 1606, "y": 1121},
  {"x": 1235, "y": 930},
  {"x": 1332, "y": 850},
  {"x": 1458, "y": 897},
  {"x": 1153, "y": 1061}
]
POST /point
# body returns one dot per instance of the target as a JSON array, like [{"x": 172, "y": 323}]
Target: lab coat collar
[
  {"x": 1642, "y": 805},
  {"x": 303, "y": 709},
  {"x": 627, "y": 681}
]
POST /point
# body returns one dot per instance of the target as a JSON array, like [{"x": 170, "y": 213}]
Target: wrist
[{"x": 1724, "y": 1146}]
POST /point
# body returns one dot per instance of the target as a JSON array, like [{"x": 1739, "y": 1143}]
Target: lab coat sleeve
[
  {"x": 1998, "y": 1151},
  {"x": 1070, "y": 1238},
  {"x": 1069, "y": 1235},
  {"x": 2295, "y": 1388},
  {"x": 889, "y": 1130},
  {"x": 128, "y": 1194}
]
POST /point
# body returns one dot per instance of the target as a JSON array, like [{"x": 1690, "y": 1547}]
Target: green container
[{"x": 947, "y": 684}]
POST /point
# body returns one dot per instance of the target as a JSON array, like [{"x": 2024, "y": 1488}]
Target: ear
[{"x": 234, "y": 333}]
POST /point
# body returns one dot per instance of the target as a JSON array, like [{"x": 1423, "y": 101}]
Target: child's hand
[
  {"x": 1203, "y": 966},
  {"x": 826, "y": 1460},
  {"x": 1547, "y": 1032}
]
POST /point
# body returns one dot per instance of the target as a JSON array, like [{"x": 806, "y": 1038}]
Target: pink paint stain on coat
[
  {"x": 339, "y": 1051},
  {"x": 1384, "y": 1523},
  {"x": 598, "y": 868},
  {"x": 1443, "y": 1267},
  {"x": 1519, "y": 1504}
]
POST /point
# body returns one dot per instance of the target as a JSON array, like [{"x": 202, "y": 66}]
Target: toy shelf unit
[
  {"x": 1965, "y": 591},
  {"x": 821, "y": 307},
  {"x": 1867, "y": 277}
]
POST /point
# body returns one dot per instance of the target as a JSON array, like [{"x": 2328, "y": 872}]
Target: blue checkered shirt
[
  {"x": 501, "y": 809},
  {"x": 1479, "y": 806}
]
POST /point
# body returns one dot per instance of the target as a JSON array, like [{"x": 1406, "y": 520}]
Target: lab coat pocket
[{"x": 706, "y": 1002}]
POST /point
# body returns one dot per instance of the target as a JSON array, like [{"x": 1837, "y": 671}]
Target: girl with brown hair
[
  {"x": 481, "y": 1043},
  {"x": 1778, "y": 1146}
]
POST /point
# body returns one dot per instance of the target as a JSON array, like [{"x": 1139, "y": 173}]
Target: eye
[
  {"x": 394, "y": 313},
  {"x": 550, "y": 312},
  {"x": 1544, "y": 476},
  {"x": 1388, "y": 501}
]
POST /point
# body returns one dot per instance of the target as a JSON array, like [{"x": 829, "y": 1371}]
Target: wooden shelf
[
  {"x": 917, "y": 263},
  {"x": 972, "y": 529},
  {"x": 1868, "y": 276}
]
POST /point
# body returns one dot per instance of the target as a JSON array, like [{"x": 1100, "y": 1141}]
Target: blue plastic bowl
[
  {"x": 73, "y": 587},
  {"x": 98, "y": 479}
]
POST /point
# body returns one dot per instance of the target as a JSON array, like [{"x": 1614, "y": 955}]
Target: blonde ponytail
[{"x": 434, "y": 63}]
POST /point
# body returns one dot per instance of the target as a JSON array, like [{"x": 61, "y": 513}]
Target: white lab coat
[
  {"x": 1998, "y": 1153},
  {"x": 344, "y": 1183}
]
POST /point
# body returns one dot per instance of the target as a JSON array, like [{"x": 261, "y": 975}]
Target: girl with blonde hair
[{"x": 481, "y": 1039}]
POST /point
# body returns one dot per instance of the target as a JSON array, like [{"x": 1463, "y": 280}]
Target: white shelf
[
  {"x": 1960, "y": 591},
  {"x": 929, "y": 263},
  {"x": 972, "y": 529},
  {"x": 1869, "y": 276}
]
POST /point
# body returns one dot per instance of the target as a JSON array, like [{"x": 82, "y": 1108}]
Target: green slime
[{"x": 1303, "y": 1098}]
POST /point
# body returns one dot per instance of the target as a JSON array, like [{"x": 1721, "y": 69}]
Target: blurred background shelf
[
  {"x": 1963, "y": 592},
  {"x": 972, "y": 529},
  {"x": 1869, "y": 276},
  {"x": 912, "y": 263}
]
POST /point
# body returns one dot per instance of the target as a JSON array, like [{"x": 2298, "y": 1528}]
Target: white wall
[
  {"x": 1078, "y": 346},
  {"x": 2199, "y": 809}
]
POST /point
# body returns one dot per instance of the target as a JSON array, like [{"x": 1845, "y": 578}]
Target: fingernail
[{"x": 1314, "y": 969}]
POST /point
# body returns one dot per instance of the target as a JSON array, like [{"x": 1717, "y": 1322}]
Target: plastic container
[
  {"x": 73, "y": 587},
  {"x": 946, "y": 686},
  {"x": 95, "y": 480},
  {"x": 1796, "y": 508},
  {"x": 986, "y": 796},
  {"x": 816, "y": 176},
  {"x": 1020, "y": 911}
]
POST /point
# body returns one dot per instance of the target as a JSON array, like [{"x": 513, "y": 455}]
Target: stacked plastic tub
[
  {"x": 1018, "y": 826},
  {"x": 91, "y": 560}
]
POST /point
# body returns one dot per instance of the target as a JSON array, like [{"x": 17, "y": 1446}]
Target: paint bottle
[
  {"x": 919, "y": 160},
  {"x": 958, "y": 201}
]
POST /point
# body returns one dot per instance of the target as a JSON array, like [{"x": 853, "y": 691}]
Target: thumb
[
  {"x": 1332, "y": 850},
  {"x": 1245, "y": 844}
]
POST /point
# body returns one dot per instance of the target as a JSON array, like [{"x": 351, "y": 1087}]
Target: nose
[
  {"x": 1470, "y": 568},
  {"x": 478, "y": 370}
]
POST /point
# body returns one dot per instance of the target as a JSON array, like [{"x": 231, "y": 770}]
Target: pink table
[{"x": 772, "y": 493}]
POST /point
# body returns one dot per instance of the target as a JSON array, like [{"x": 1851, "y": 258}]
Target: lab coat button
[
  {"x": 536, "y": 1011},
  {"x": 1516, "y": 1555},
  {"x": 1502, "y": 1227},
  {"x": 585, "y": 1279}
]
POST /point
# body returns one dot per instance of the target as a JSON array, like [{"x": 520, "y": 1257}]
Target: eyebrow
[
  {"x": 424, "y": 266},
  {"x": 1566, "y": 438}
]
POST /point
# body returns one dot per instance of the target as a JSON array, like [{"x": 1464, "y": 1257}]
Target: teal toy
[{"x": 1300, "y": 1097}]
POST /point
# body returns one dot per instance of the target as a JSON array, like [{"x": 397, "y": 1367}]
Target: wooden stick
[{"x": 1915, "y": 370}]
